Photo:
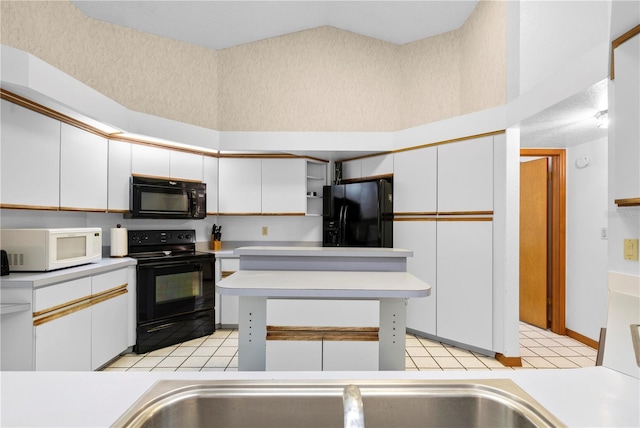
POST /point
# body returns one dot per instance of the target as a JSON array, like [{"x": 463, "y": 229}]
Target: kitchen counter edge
[{"x": 43, "y": 279}]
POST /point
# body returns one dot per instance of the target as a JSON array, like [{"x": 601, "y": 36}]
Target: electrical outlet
[
  {"x": 631, "y": 249},
  {"x": 265, "y": 231}
]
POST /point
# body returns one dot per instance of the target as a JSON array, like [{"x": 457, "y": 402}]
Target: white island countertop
[
  {"x": 324, "y": 284},
  {"x": 323, "y": 251},
  {"x": 593, "y": 397}
]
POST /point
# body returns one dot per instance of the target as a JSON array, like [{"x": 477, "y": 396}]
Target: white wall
[
  {"x": 249, "y": 228},
  {"x": 587, "y": 201},
  {"x": 555, "y": 33}
]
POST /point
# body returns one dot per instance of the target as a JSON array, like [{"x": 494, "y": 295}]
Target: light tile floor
[{"x": 219, "y": 352}]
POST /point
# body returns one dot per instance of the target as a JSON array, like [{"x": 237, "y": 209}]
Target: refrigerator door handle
[
  {"x": 340, "y": 225},
  {"x": 344, "y": 226}
]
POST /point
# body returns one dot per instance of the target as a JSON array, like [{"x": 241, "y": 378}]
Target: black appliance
[
  {"x": 175, "y": 288},
  {"x": 4, "y": 263},
  {"x": 162, "y": 198},
  {"x": 358, "y": 215}
]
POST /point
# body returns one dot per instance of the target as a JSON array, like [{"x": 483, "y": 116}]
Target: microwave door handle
[{"x": 193, "y": 202}]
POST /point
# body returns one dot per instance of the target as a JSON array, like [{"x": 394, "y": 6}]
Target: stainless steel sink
[{"x": 486, "y": 403}]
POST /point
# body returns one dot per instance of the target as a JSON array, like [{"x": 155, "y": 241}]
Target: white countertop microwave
[{"x": 49, "y": 249}]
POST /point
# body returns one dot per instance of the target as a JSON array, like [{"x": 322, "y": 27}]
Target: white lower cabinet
[
  {"x": 109, "y": 321},
  {"x": 420, "y": 237},
  {"x": 62, "y": 341},
  {"x": 465, "y": 282},
  {"x": 81, "y": 324}
]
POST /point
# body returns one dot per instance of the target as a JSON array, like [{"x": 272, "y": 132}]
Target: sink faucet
[{"x": 353, "y": 409}]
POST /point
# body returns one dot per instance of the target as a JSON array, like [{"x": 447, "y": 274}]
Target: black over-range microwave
[{"x": 162, "y": 198}]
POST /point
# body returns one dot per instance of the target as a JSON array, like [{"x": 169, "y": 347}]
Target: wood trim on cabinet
[
  {"x": 628, "y": 202},
  {"x": 161, "y": 177},
  {"x": 617, "y": 42},
  {"x": 50, "y": 314},
  {"x": 465, "y": 219},
  {"x": 583, "y": 339},
  {"x": 413, "y": 214},
  {"x": 226, "y": 273},
  {"x": 508, "y": 361},
  {"x": 415, "y": 219},
  {"x": 28, "y": 207},
  {"x": 458, "y": 213},
  {"x": 262, "y": 214},
  {"x": 283, "y": 214},
  {"x": 86, "y": 210},
  {"x": 422, "y": 146},
  {"x": 46, "y": 111}
]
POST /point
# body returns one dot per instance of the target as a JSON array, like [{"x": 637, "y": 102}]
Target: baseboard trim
[
  {"x": 509, "y": 361},
  {"x": 583, "y": 339}
]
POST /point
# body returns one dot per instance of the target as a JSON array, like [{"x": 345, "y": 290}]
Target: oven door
[{"x": 166, "y": 289}]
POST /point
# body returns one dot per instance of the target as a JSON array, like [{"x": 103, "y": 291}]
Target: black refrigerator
[{"x": 358, "y": 215}]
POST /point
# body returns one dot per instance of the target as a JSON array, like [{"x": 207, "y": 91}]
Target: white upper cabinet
[
  {"x": 30, "y": 161},
  {"x": 465, "y": 175},
  {"x": 83, "y": 169},
  {"x": 185, "y": 166},
  {"x": 150, "y": 161},
  {"x": 119, "y": 175},
  {"x": 240, "y": 190},
  {"x": 627, "y": 125},
  {"x": 415, "y": 181},
  {"x": 377, "y": 165},
  {"x": 284, "y": 186},
  {"x": 352, "y": 169},
  {"x": 210, "y": 177}
]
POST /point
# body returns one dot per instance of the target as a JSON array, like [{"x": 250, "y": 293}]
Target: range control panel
[{"x": 157, "y": 237}]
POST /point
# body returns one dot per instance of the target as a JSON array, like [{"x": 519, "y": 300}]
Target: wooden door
[{"x": 533, "y": 242}]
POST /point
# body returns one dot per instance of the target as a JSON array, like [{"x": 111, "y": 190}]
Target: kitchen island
[{"x": 319, "y": 273}]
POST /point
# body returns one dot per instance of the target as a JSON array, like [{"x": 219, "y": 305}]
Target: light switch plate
[{"x": 631, "y": 249}]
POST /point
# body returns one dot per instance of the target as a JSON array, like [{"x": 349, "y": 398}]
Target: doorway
[{"x": 543, "y": 239}]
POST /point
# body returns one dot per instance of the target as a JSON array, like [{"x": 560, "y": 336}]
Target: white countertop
[
  {"x": 324, "y": 284},
  {"x": 41, "y": 279},
  {"x": 593, "y": 397},
  {"x": 323, "y": 251}
]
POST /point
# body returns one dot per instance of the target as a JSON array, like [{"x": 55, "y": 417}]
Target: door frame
[{"x": 558, "y": 222}]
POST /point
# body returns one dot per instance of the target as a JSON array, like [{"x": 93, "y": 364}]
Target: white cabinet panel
[
  {"x": 284, "y": 186},
  {"x": 109, "y": 325},
  {"x": 30, "y": 161},
  {"x": 465, "y": 175},
  {"x": 210, "y": 177},
  {"x": 64, "y": 344},
  {"x": 185, "y": 166},
  {"x": 627, "y": 125},
  {"x": 377, "y": 165},
  {"x": 415, "y": 181},
  {"x": 352, "y": 169},
  {"x": 240, "y": 186},
  {"x": 420, "y": 237},
  {"x": 150, "y": 161},
  {"x": 119, "y": 175},
  {"x": 83, "y": 169},
  {"x": 465, "y": 282}
]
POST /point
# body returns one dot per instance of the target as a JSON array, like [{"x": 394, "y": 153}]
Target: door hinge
[
  {"x": 549, "y": 176},
  {"x": 549, "y": 301}
]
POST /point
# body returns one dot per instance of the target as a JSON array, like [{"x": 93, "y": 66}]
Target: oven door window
[
  {"x": 178, "y": 286},
  {"x": 166, "y": 290}
]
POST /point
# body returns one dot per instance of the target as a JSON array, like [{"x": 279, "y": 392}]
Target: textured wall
[
  {"x": 323, "y": 79},
  {"x": 483, "y": 66},
  {"x": 141, "y": 71}
]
